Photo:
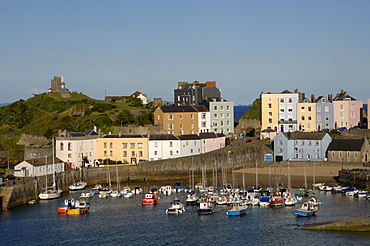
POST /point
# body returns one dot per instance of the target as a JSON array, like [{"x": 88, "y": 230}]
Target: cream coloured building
[
  {"x": 306, "y": 116},
  {"x": 125, "y": 148},
  {"x": 269, "y": 111}
]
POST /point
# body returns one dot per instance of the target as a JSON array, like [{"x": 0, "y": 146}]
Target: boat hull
[
  {"x": 203, "y": 211},
  {"x": 300, "y": 212}
]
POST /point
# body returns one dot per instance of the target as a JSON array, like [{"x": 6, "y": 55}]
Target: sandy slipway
[{"x": 352, "y": 224}]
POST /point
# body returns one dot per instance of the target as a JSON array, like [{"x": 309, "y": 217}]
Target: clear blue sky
[{"x": 120, "y": 47}]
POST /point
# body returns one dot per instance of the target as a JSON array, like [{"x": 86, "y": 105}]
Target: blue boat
[
  {"x": 307, "y": 209},
  {"x": 205, "y": 207},
  {"x": 238, "y": 209}
]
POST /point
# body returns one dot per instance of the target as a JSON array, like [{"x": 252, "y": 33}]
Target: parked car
[
  {"x": 11, "y": 177},
  {"x": 342, "y": 129},
  {"x": 249, "y": 140}
]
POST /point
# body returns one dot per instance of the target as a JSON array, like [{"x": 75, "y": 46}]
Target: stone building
[
  {"x": 349, "y": 150},
  {"x": 58, "y": 86}
]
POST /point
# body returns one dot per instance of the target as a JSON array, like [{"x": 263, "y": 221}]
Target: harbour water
[{"x": 124, "y": 221}]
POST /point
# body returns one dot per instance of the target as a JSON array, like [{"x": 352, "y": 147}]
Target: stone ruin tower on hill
[{"x": 58, "y": 86}]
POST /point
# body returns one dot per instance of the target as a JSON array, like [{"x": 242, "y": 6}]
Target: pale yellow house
[
  {"x": 177, "y": 120},
  {"x": 126, "y": 148},
  {"x": 269, "y": 111},
  {"x": 306, "y": 116}
]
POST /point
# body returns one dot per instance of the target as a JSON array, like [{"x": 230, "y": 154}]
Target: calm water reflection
[{"x": 124, "y": 221}]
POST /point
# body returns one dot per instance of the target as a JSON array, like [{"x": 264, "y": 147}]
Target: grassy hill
[{"x": 45, "y": 114}]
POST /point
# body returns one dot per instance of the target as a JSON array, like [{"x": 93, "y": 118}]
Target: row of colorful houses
[
  {"x": 81, "y": 148},
  {"x": 292, "y": 111}
]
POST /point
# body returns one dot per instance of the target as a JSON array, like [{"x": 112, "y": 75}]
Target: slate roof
[
  {"x": 200, "y": 108},
  {"x": 163, "y": 137},
  {"x": 189, "y": 137},
  {"x": 208, "y": 135},
  {"x": 175, "y": 109},
  {"x": 346, "y": 144},
  {"x": 43, "y": 161},
  {"x": 126, "y": 136},
  {"x": 305, "y": 135}
]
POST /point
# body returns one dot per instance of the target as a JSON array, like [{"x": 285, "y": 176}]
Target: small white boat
[
  {"x": 306, "y": 210},
  {"x": 102, "y": 194},
  {"x": 128, "y": 194},
  {"x": 205, "y": 207},
  {"x": 78, "y": 185},
  {"x": 238, "y": 209},
  {"x": 313, "y": 201},
  {"x": 176, "y": 207},
  {"x": 50, "y": 193},
  {"x": 116, "y": 193},
  {"x": 191, "y": 198},
  {"x": 137, "y": 190},
  {"x": 86, "y": 194},
  {"x": 125, "y": 190},
  {"x": 290, "y": 201}
]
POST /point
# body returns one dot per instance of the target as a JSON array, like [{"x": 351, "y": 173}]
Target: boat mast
[{"x": 54, "y": 184}]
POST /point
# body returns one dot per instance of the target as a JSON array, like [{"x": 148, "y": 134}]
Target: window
[
  {"x": 282, "y": 110},
  {"x": 269, "y": 105},
  {"x": 270, "y": 113},
  {"x": 308, "y": 143},
  {"x": 69, "y": 146},
  {"x": 140, "y": 145},
  {"x": 290, "y": 100},
  {"x": 222, "y": 115},
  {"x": 318, "y": 117},
  {"x": 222, "y": 123},
  {"x": 309, "y": 109},
  {"x": 341, "y": 106},
  {"x": 170, "y": 116},
  {"x": 192, "y": 116},
  {"x": 204, "y": 124},
  {"x": 181, "y": 126},
  {"x": 155, "y": 152},
  {"x": 124, "y": 153},
  {"x": 280, "y": 150},
  {"x": 302, "y": 109},
  {"x": 318, "y": 109},
  {"x": 326, "y": 117},
  {"x": 192, "y": 125},
  {"x": 133, "y": 153},
  {"x": 308, "y": 126},
  {"x": 290, "y": 109},
  {"x": 180, "y": 116},
  {"x": 270, "y": 121},
  {"x": 170, "y": 126},
  {"x": 110, "y": 145},
  {"x": 303, "y": 118},
  {"x": 309, "y": 117},
  {"x": 195, "y": 143},
  {"x": 111, "y": 153},
  {"x": 191, "y": 151},
  {"x": 215, "y": 108},
  {"x": 316, "y": 143},
  {"x": 140, "y": 153},
  {"x": 227, "y": 107},
  {"x": 132, "y": 145},
  {"x": 158, "y": 117},
  {"x": 105, "y": 145},
  {"x": 228, "y": 123},
  {"x": 204, "y": 116},
  {"x": 281, "y": 100},
  {"x": 105, "y": 153},
  {"x": 352, "y": 106},
  {"x": 61, "y": 146},
  {"x": 352, "y": 114},
  {"x": 302, "y": 143},
  {"x": 171, "y": 152},
  {"x": 222, "y": 108},
  {"x": 124, "y": 145},
  {"x": 280, "y": 142},
  {"x": 326, "y": 108},
  {"x": 341, "y": 115}
]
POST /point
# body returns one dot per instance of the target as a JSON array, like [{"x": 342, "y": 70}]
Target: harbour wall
[{"x": 229, "y": 158}]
